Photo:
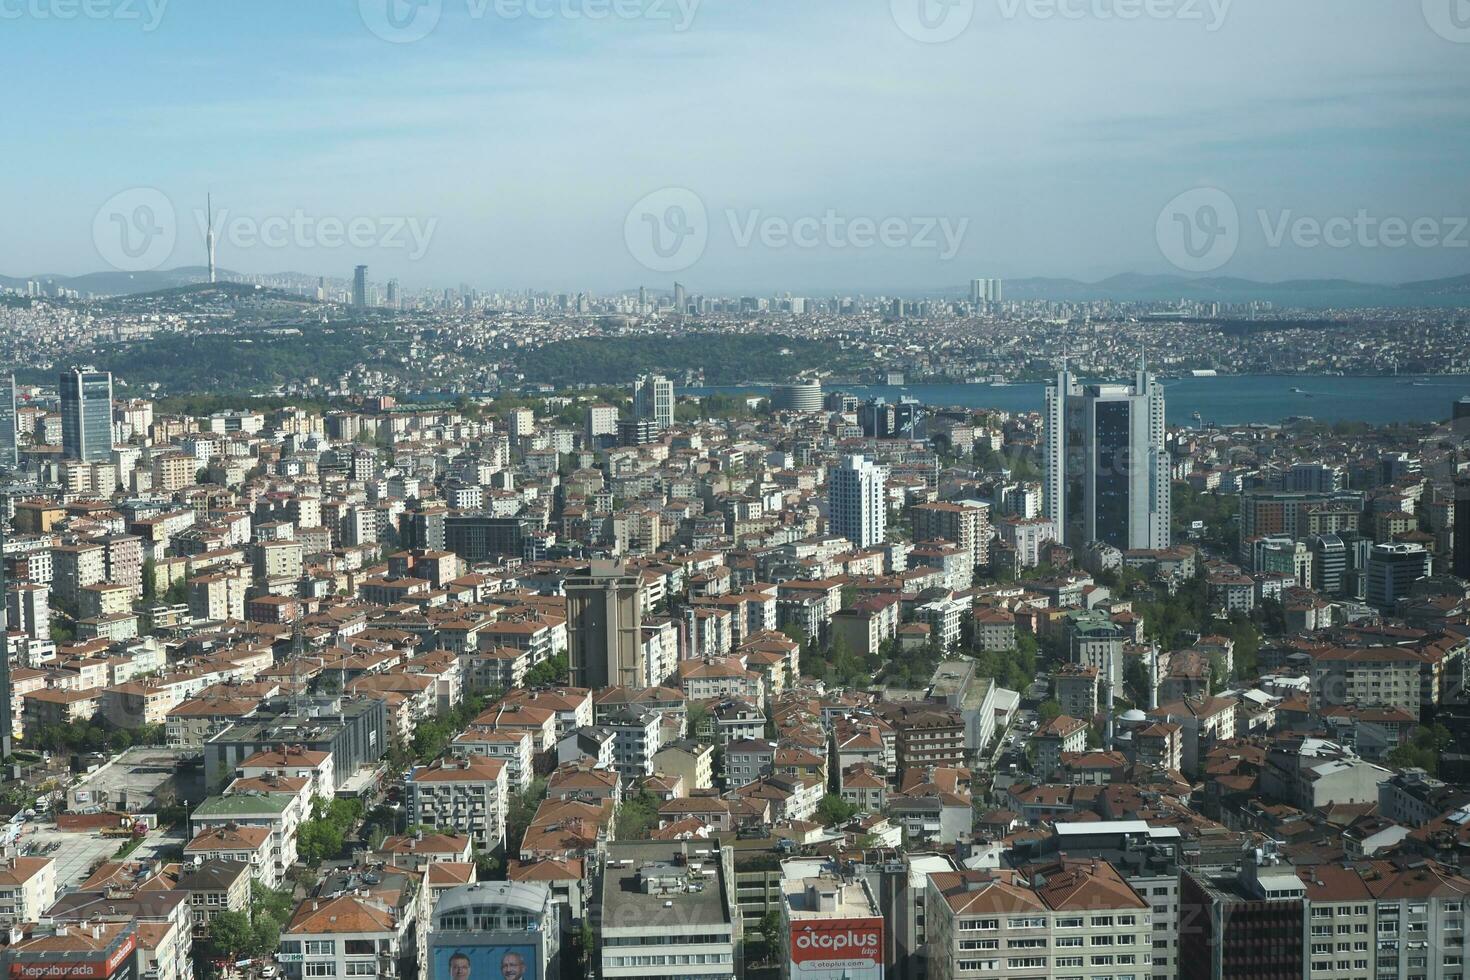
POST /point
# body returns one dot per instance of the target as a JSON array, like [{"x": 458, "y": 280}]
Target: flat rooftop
[
  {"x": 694, "y": 896},
  {"x": 827, "y": 897}
]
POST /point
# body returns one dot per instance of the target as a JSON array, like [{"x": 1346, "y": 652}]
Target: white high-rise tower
[
  {"x": 653, "y": 398},
  {"x": 209, "y": 232},
  {"x": 856, "y": 508}
]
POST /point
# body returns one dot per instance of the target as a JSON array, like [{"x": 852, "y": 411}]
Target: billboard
[
  {"x": 118, "y": 966},
  {"x": 837, "y": 949},
  {"x": 486, "y": 963}
]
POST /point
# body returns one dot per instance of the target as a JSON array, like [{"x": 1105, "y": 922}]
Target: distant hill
[
  {"x": 1126, "y": 287},
  {"x": 122, "y": 283},
  {"x": 218, "y": 291},
  {"x": 1305, "y": 293}
]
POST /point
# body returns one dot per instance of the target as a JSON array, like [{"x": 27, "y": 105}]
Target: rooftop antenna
[{"x": 209, "y": 233}]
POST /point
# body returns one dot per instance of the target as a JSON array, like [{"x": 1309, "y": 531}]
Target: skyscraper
[
  {"x": 985, "y": 291},
  {"x": 86, "y": 415},
  {"x": 9, "y": 453},
  {"x": 1460, "y": 559},
  {"x": 359, "y": 287},
  {"x": 7, "y": 724},
  {"x": 653, "y": 399},
  {"x": 1106, "y": 466},
  {"x": 209, "y": 233},
  {"x": 605, "y": 627},
  {"x": 392, "y": 294},
  {"x": 856, "y": 508},
  {"x": 678, "y": 297},
  {"x": 1462, "y": 528},
  {"x": 1391, "y": 569}
]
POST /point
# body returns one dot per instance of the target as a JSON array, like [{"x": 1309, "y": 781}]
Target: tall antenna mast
[{"x": 209, "y": 233}]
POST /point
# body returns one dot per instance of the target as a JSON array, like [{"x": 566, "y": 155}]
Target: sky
[{"x": 739, "y": 146}]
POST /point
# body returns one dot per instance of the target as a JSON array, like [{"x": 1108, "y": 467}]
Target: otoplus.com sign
[{"x": 854, "y": 946}]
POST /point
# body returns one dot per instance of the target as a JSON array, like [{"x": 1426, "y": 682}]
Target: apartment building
[
  {"x": 27, "y": 889},
  {"x": 1367, "y": 677},
  {"x": 1381, "y": 919},
  {"x": 964, "y": 523},
  {"x": 1065, "y": 918},
  {"x": 468, "y": 795}
]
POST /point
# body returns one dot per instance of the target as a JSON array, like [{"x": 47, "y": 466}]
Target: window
[
  {"x": 1028, "y": 922},
  {"x": 362, "y": 969},
  {"x": 1027, "y": 963},
  {"x": 321, "y": 947},
  {"x": 325, "y": 969}
]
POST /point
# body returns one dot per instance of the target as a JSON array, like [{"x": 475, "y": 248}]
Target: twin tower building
[{"x": 1107, "y": 468}]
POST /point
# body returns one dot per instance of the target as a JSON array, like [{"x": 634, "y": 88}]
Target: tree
[
  {"x": 1135, "y": 679},
  {"x": 770, "y": 929},
  {"x": 1049, "y": 711},
  {"x": 586, "y": 945},
  {"x": 150, "y": 582},
  {"x": 550, "y": 672},
  {"x": 277, "y": 903},
  {"x": 265, "y": 936},
  {"x": 520, "y": 813},
  {"x": 177, "y": 593},
  {"x": 834, "y": 811},
  {"x": 697, "y": 720},
  {"x": 1424, "y": 750},
  {"x": 637, "y": 816},
  {"x": 323, "y": 836},
  {"x": 231, "y": 934}
]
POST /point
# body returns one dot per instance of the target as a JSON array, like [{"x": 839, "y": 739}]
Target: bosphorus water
[{"x": 1226, "y": 400}]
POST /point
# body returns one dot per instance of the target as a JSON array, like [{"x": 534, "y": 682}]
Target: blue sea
[{"x": 1227, "y": 400}]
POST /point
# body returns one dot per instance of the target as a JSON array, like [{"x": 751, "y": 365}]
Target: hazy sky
[{"x": 516, "y": 137}]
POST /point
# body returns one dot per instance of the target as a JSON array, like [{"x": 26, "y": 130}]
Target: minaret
[
  {"x": 1153, "y": 677},
  {"x": 209, "y": 233}
]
